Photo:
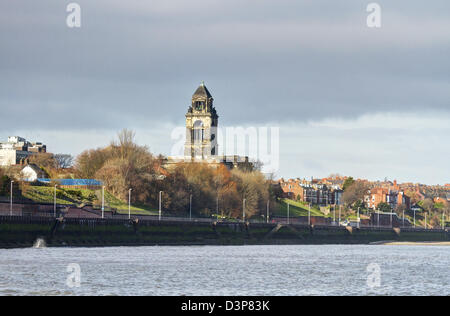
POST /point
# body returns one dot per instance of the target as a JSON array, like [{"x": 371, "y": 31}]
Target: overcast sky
[{"x": 371, "y": 103}]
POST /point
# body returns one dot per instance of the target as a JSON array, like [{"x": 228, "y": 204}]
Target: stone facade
[{"x": 201, "y": 126}]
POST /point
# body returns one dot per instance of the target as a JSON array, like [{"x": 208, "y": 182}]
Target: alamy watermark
[
  {"x": 73, "y": 19},
  {"x": 374, "y": 17},
  {"x": 374, "y": 277},
  {"x": 259, "y": 144},
  {"x": 74, "y": 278}
]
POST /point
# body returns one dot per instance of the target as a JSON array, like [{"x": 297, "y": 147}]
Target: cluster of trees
[
  {"x": 215, "y": 190},
  {"x": 434, "y": 210},
  {"x": 4, "y": 182},
  {"x": 124, "y": 165},
  {"x": 354, "y": 192}
]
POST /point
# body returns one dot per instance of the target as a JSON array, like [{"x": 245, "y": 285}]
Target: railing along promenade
[{"x": 118, "y": 218}]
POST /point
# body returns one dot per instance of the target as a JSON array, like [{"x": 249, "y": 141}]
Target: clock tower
[{"x": 201, "y": 126}]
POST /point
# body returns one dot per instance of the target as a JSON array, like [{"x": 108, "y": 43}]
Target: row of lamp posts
[{"x": 217, "y": 209}]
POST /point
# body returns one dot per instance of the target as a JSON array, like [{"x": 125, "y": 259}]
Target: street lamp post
[
  {"x": 414, "y": 218},
  {"x": 243, "y": 210},
  {"x": 334, "y": 214},
  {"x": 288, "y": 209},
  {"x": 160, "y": 198},
  {"x": 309, "y": 215},
  {"x": 103, "y": 201},
  {"x": 129, "y": 203},
  {"x": 425, "y": 220},
  {"x": 443, "y": 219},
  {"x": 54, "y": 204},
  {"x": 403, "y": 218},
  {"x": 267, "y": 217},
  {"x": 11, "y": 200},
  {"x": 190, "y": 207},
  {"x": 358, "y": 219},
  {"x": 217, "y": 207},
  {"x": 339, "y": 219}
]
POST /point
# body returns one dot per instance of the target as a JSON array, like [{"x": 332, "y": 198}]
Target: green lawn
[
  {"x": 43, "y": 194},
  {"x": 295, "y": 209},
  {"x": 122, "y": 207}
]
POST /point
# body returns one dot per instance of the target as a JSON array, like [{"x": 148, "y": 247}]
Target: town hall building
[
  {"x": 201, "y": 145},
  {"x": 201, "y": 126}
]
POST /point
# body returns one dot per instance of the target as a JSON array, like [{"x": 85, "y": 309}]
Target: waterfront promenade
[{"x": 23, "y": 231}]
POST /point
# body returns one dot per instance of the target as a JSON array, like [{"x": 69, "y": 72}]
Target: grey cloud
[
  {"x": 136, "y": 63},
  {"x": 284, "y": 60}
]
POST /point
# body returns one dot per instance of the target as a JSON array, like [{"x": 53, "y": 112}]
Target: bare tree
[
  {"x": 428, "y": 205},
  {"x": 400, "y": 209},
  {"x": 63, "y": 161},
  {"x": 355, "y": 192}
]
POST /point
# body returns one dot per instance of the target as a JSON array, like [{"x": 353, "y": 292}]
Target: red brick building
[
  {"x": 313, "y": 192},
  {"x": 394, "y": 198}
]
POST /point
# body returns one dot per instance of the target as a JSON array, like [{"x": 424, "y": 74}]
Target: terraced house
[{"x": 314, "y": 191}]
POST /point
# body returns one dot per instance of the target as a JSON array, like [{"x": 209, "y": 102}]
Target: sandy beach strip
[{"x": 407, "y": 243}]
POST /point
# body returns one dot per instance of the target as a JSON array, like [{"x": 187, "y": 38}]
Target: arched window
[{"x": 198, "y": 132}]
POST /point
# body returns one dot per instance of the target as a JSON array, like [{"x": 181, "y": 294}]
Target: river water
[{"x": 227, "y": 270}]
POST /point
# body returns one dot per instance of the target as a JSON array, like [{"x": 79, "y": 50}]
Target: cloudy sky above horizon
[{"x": 348, "y": 99}]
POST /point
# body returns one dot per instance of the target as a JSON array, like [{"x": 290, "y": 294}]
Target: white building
[
  {"x": 17, "y": 149},
  {"x": 32, "y": 172}
]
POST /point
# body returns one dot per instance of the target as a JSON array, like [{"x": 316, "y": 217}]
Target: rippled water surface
[{"x": 241, "y": 270}]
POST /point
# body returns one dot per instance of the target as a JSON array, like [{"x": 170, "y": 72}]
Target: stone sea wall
[{"x": 18, "y": 232}]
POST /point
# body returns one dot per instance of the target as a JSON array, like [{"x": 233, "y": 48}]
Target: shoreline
[{"x": 410, "y": 243}]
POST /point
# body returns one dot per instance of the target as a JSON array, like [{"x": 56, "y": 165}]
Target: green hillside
[
  {"x": 295, "y": 209},
  {"x": 43, "y": 194}
]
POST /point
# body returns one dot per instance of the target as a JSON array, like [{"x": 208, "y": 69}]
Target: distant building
[
  {"x": 440, "y": 200},
  {"x": 379, "y": 195},
  {"x": 313, "y": 192},
  {"x": 32, "y": 173},
  {"x": 17, "y": 149}
]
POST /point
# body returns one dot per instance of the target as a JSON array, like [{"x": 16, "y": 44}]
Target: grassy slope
[
  {"x": 122, "y": 207},
  {"x": 43, "y": 194},
  {"x": 295, "y": 209}
]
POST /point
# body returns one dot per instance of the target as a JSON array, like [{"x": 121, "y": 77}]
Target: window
[
  {"x": 199, "y": 105},
  {"x": 198, "y": 132}
]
